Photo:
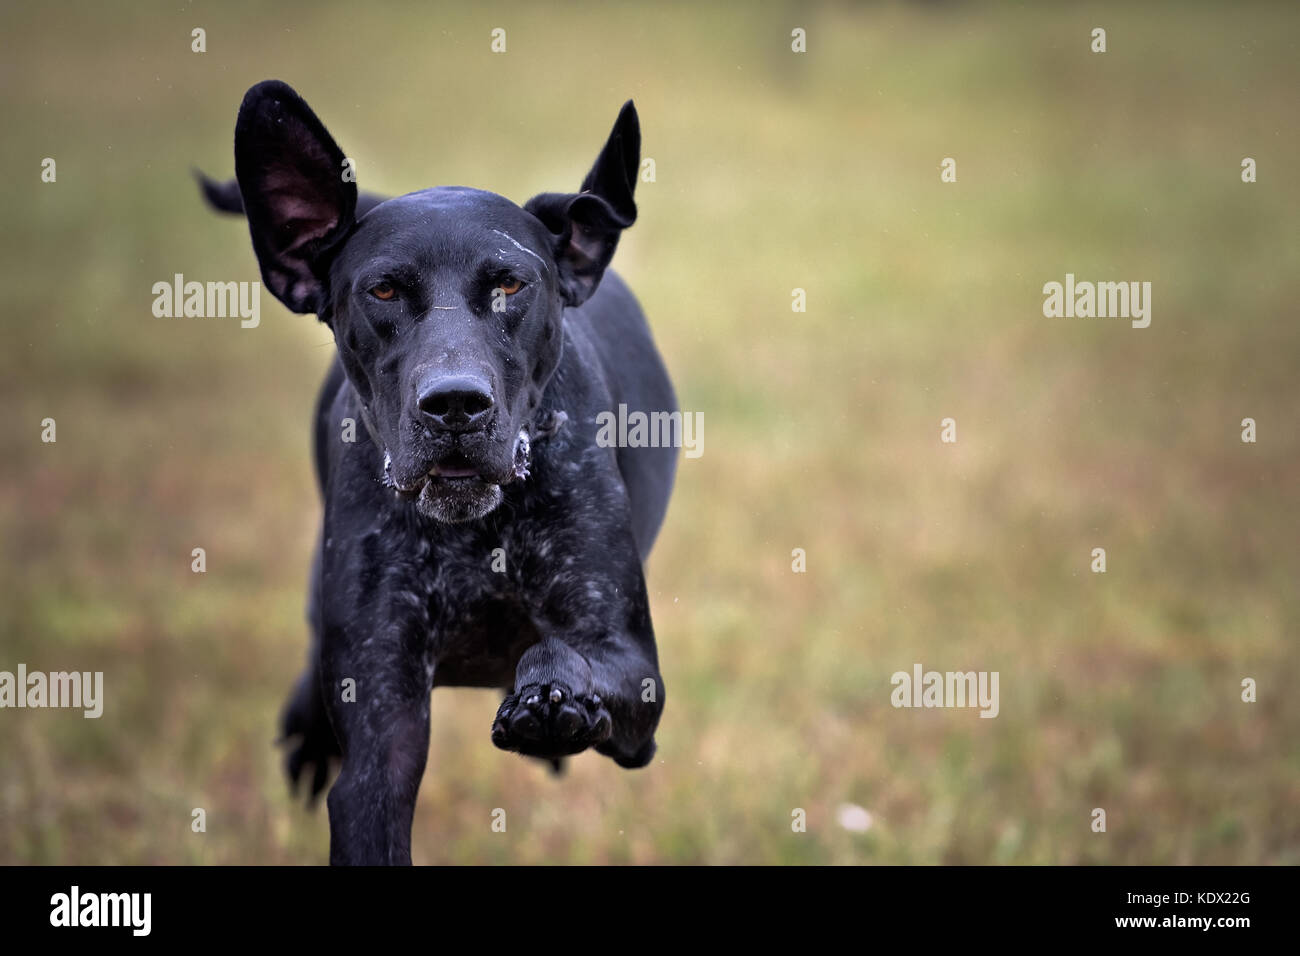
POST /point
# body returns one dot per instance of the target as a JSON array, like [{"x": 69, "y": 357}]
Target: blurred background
[{"x": 774, "y": 171}]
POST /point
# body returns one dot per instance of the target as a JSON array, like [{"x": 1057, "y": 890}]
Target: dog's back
[{"x": 616, "y": 328}]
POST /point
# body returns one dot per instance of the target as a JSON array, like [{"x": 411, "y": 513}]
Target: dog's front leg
[
  {"x": 592, "y": 681},
  {"x": 377, "y": 679}
]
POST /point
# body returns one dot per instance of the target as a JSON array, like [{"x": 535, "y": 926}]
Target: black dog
[{"x": 475, "y": 532}]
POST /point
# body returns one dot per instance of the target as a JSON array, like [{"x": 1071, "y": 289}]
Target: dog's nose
[{"x": 457, "y": 403}]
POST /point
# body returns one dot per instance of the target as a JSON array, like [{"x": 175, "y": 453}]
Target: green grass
[{"x": 774, "y": 171}]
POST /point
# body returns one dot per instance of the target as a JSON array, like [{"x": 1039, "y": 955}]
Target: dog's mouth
[
  {"x": 454, "y": 472},
  {"x": 453, "y": 498},
  {"x": 454, "y": 488}
]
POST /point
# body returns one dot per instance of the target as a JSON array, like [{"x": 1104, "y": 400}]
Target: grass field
[{"x": 774, "y": 171}]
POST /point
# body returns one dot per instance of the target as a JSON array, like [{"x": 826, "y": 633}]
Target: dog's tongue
[{"x": 441, "y": 472}]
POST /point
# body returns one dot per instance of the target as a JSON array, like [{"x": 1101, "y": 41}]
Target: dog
[{"x": 475, "y": 533}]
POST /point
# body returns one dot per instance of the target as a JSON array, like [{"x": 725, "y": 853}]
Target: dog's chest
[{"x": 479, "y": 620}]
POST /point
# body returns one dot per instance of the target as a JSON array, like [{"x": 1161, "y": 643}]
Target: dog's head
[{"x": 446, "y": 305}]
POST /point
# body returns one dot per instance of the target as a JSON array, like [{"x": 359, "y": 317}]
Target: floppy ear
[
  {"x": 290, "y": 174},
  {"x": 586, "y": 225}
]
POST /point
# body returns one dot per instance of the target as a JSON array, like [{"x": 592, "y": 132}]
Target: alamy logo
[
  {"x": 213, "y": 300},
  {"x": 1101, "y": 300},
  {"x": 654, "y": 430},
  {"x": 134, "y": 910},
  {"x": 953, "y": 689},
  {"x": 56, "y": 689}
]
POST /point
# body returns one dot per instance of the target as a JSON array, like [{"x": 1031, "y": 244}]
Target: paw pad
[{"x": 550, "y": 721}]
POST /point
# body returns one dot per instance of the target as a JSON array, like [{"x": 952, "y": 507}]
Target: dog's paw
[
  {"x": 548, "y": 720},
  {"x": 310, "y": 745}
]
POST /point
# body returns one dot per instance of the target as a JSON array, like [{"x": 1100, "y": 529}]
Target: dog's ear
[
  {"x": 299, "y": 205},
  {"x": 586, "y": 225}
]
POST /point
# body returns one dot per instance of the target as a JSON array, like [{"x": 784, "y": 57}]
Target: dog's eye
[
  {"x": 383, "y": 290},
  {"x": 510, "y": 285}
]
